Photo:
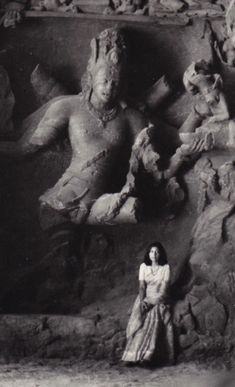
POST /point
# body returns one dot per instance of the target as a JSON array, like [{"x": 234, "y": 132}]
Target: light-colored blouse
[{"x": 157, "y": 282}]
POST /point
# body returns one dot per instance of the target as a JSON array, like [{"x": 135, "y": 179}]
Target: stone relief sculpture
[
  {"x": 103, "y": 131},
  {"x": 207, "y": 89},
  {"x": 12, "y": 12},
  {"x": 127, "y": 7},
  {"x": 222, "y": 39},
  {"x": 158, "y": 8},
  {"x": 209, "y": 119},
  {"x": 99, "y": 129},
  {"x": 197, "y": 7},
  {"x": 53, "y": 6},
  {"x": 96, "y": 124},
  {"x": 228, "y": 47}
]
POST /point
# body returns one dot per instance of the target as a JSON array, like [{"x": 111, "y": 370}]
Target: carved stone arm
[
  {"x": 53, "y": 122},
  {"x": 187, "y": 152},
  {"x": 193, "y": 121},
  {"x": 17, "y": 150},
  {"x": 176, "y": 162}
]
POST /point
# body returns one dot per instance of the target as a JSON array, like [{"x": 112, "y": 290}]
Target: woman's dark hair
[{"x": 162, "y": 258}]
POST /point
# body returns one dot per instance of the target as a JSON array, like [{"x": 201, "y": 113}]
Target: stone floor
[{"x": 101, "y": 374}]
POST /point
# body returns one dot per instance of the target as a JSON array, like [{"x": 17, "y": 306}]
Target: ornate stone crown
[{"x": 108, "y": 51}]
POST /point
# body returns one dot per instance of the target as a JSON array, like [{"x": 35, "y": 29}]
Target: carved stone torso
[
  {"x": 89, "y": 137},
  {"x": 96, "y": 149}
]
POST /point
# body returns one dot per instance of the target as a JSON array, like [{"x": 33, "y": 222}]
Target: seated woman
[{"x": 150, "y": 329}]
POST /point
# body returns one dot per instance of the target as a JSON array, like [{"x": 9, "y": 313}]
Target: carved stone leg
[{"x": 62, "y": 243}]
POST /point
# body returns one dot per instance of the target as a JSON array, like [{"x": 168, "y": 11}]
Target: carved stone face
[
  {"x": 212, "y": 96},
  {"x": 105, "y": 86}
]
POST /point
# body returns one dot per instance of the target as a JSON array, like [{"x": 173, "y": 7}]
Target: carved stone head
[
  {"x": 196, "y": 75},
  {"x": 107, "y": 60}
]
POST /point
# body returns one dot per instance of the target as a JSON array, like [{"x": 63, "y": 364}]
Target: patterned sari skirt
[{"x": 149, "y": 334}]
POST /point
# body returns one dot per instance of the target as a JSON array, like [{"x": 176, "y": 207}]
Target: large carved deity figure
[
  {"x": 99, "y": 129},
  {"x": 103, "y": 134}
]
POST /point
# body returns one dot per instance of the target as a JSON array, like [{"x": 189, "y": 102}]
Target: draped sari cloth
[{"x": 150, "y": 334}]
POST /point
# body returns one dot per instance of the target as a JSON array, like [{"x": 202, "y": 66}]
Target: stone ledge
[
  {"x": 56, "y": 336},
  {"x": 162, "y": 18}
]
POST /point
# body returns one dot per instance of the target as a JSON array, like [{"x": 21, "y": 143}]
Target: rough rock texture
[
  {"x": 205, "y": 316},
  {"x": 59, "y": 336},
  {"x": 7, "y": 102}
]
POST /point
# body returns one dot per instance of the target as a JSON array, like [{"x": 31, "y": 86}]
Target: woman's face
[{"x": 154, "y": 254}]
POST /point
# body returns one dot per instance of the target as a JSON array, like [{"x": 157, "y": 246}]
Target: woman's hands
[{"x": 144, "y": 306}]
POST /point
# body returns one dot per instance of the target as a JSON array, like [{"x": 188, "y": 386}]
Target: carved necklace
[{"x": 103, "y": 116}]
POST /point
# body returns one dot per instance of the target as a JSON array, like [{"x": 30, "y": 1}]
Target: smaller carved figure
[
  {"x": 224, "y": 45},
  {"x": 207, "y": 88},
  {"x": 12, "y": 12},
  {"x": 228, "y": 47},
  {"x": 209, "y": 119},
  {"x": 53, "y": 5},
  {"x": 151, "y": 311},
  {"x": 197, "y": 7},
  {"x": 127, "y": 7},
  {"x": 141, "y": 7},
  {"x": 156, "y": 6}
]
